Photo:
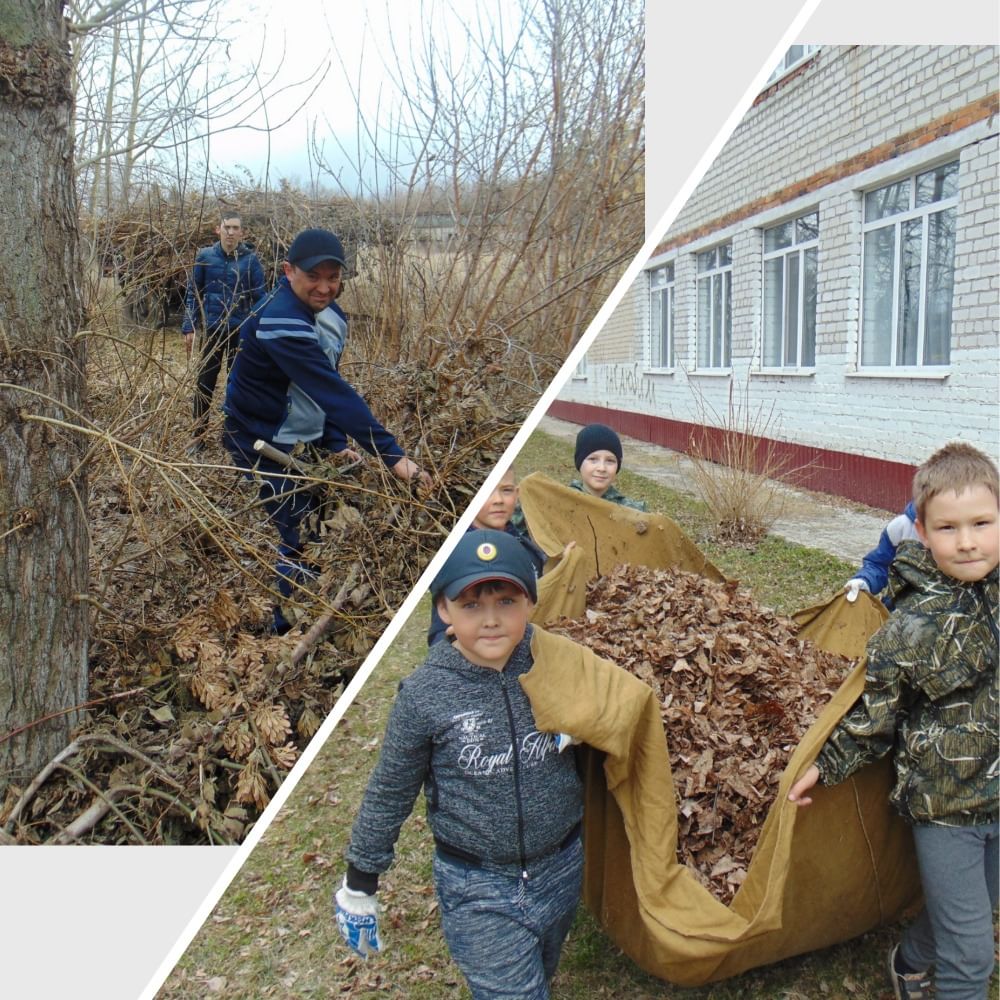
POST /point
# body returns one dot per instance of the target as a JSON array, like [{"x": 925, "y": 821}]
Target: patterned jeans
[{"x": 505, "y": 933}]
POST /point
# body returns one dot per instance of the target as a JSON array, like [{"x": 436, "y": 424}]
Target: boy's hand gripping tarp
[{"x": 818, "y": 876}]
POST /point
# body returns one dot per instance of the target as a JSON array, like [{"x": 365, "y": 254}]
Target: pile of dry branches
[
  {"x": 738, "y": 690},
  {"x": 196, "y": 713},
  {"x": 150, "y": 247}
]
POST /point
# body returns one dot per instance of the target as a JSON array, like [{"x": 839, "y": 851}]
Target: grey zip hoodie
[{"x": 495, "y": 787}]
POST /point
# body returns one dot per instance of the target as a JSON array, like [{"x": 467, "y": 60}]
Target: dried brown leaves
[
  {"x": 182, "y": 585},
  {"x": 738, "y": 691}
]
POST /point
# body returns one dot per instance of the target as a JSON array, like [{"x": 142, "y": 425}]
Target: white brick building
[{"x": 839, "y": 262}]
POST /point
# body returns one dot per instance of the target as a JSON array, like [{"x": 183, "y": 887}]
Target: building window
[
  {"x": 661, "y": 316},
  {"x": 908, "y": 270},
  {"x": 790, "y": 293},
  {"x": 715, "y": 312},
  {"x": 794, "y": 55}
]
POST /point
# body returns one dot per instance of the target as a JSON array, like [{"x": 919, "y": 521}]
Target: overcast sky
[
  {"x": 354, "y": 43},
  {"x": 96, "y": 922}
]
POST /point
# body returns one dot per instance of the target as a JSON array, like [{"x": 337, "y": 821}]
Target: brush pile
[
  {"x": 150, "y": 247},
  {"x": 737, "y": 688},
  {"x": 196, "y": 712}
]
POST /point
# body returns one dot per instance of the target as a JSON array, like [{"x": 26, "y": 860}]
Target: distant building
[
  {"x": 839, "y": 263},
  {"x": 433, "y": 229}
]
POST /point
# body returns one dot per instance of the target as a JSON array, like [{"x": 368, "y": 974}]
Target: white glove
[
  {"x": 564, "y": 740},
  {"x": 852, "y": 587},
  {"x": 357, "y": 919}
]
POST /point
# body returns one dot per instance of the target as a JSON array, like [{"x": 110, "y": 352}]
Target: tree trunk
[{"x": 43, "y": 532}]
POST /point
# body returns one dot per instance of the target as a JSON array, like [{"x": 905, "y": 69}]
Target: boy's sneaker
[{"x": 908, "y": 985}]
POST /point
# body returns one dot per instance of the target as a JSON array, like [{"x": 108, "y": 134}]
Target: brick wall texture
[{"x": 849, "y": 119}]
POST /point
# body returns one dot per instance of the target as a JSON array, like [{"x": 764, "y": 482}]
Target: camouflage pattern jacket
[
  {"x": 930, "y": 697},
  {"x": 613, "y": 495}
]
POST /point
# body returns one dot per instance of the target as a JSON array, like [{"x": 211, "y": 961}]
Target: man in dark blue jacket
[
  {"x": 226, "y": 280},
  {"x": 284, "y": 387}
]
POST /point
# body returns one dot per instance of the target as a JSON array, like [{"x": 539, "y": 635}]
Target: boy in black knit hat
[{"x": 598, "y": 457}]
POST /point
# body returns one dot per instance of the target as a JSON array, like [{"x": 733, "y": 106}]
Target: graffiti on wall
[{"x": 628, "y": 381}]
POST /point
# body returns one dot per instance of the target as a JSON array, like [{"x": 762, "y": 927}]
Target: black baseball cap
[
  {"x": 312, "y": 247},
  {"x": 484, "y": 555}
]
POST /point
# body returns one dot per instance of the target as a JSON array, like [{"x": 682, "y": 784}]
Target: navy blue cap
[
  {"x": 597, "y": 437},
  {"x": 312, "y": 247},
  {"x": 484, "y": 555}
]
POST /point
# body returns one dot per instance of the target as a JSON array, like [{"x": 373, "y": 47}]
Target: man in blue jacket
[
  {"x": 226, "y": 280},
  {"x": 284, "y": 387}
]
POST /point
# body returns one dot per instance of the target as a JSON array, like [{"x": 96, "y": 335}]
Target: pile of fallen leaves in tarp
[
  {"x": 737, "y": 688},
  {"x": 196, "y": 712}
]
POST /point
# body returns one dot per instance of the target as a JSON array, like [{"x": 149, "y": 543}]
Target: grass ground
[{"x": 272, "y": 934}]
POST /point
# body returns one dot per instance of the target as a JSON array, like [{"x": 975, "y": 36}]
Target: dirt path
[{"x": 840, "y": 527}]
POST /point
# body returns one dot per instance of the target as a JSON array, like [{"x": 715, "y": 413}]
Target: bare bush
[
  {"x": 510, "y": 180},
  {"x": 194, "y": 712},
  {"x": 736, "y": 468}
]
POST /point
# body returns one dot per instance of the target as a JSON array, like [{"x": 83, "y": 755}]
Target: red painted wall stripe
[{"x": 871, "y": 481}]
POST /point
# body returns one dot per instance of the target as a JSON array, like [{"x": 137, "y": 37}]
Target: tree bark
[{"x": 43, "y": 491}]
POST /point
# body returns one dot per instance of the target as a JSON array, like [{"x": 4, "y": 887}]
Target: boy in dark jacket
[
  {"x": 285, "y": 387},
  {"x": 496, "y": 513},
  {"x": 598, "y": 458},
  {"x": 873, "y": 576},
  {"x": 227, "y": 279},
  {"x": 930, "y": 699},
  {"x": 504, "y": 804}
]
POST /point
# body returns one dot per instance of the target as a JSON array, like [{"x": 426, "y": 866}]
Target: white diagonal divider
[{"x": 771, "y": 57}]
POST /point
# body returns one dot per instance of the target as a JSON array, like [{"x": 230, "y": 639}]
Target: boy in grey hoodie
[{"x": 503, "y": 802}]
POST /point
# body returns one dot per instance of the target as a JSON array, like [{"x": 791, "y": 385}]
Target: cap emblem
[{"x": 487, "y": 552}]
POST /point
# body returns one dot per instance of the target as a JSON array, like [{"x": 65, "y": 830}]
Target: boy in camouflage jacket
[
  {"x": 930, "y": 698},
  {"x": 598, "y": 458}
]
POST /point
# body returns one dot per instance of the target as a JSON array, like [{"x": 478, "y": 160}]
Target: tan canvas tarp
[
  {"x": 606, "y": 536},
  {"x": 818, "y": 876}
]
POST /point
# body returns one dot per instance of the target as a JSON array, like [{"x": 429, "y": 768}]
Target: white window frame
[
  {"x": 896, "y": 221},
  {"x": 797, "y": 248},
  {"x": 715, "y": 274},
  {"x": 794, "y": 56},
  {"x": 662, "y": 288}
]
